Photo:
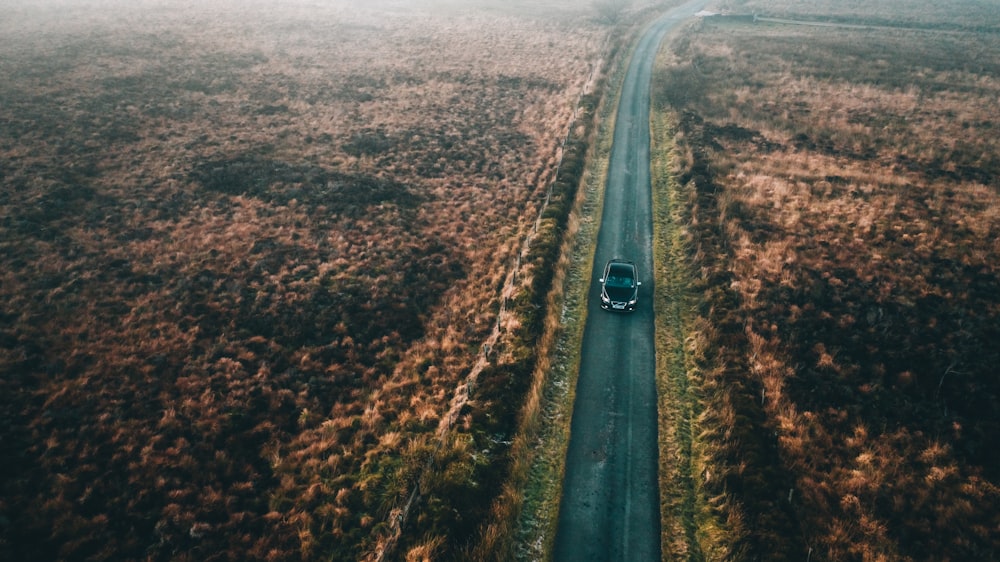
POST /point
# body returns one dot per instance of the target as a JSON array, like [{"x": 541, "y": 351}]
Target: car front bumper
[{"x": 615, "y": 305}]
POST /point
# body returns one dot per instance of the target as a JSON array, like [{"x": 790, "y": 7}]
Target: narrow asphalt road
[{"x": 610, "y": 504}]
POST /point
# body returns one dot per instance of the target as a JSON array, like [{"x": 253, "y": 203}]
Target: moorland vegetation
[
  {"x": 843, "y": 222},
  {"x": 247, "y": 258}
]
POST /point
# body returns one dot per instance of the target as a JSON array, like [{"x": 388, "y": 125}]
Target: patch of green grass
[
  {"x": 537, "y": 523},
  {"x": 689, "y": 529}
]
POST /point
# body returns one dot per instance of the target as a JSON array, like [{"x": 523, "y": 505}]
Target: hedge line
[{"x": 469, "y": 472}]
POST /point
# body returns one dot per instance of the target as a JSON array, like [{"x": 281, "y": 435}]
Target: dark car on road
[{"x": 619, "y": 285}]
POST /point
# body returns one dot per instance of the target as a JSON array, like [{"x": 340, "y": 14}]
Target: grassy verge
[
  {"x": 544, "y": 447},
  {"x": 689, "y": 529}
]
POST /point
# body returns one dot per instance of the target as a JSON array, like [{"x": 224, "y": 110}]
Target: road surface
[{"x": 610, "y": 503}]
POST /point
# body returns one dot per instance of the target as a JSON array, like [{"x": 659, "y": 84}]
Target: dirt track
[{"x": 610, "y": 502}]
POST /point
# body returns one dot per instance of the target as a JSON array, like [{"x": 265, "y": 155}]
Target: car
[{"x": 619, "y": 285}]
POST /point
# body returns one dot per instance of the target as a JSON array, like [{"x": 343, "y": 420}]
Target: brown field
[
  {"x": 247, "y": 256},
  {"x": 965, "y": 14},
  {"x": 844, "y": 225}
]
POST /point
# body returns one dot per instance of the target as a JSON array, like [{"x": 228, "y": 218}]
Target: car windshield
[{"x": 619, "y": 280}]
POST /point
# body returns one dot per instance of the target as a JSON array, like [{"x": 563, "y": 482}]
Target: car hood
[{"x": 620, "y": 293}]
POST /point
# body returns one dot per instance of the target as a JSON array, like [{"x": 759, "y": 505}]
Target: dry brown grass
[
  {"x": 846, "y": 218},
  {"x": 248, "y": 256},
  {"x": 972, "y": 14}
]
